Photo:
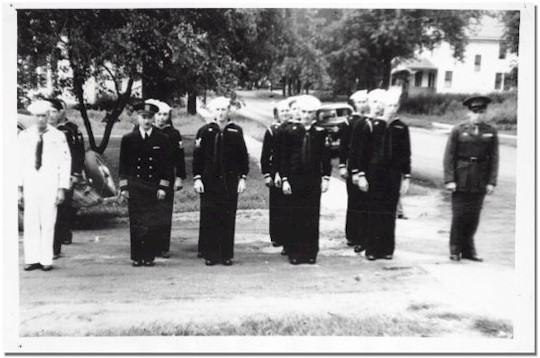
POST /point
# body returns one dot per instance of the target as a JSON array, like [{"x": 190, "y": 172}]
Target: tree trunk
[
  {"x": 289, "y": 86},
  {"x": 284, "y": 90},
  {"x": 387, "y": 69},
  {"x": 78, "y": 83},
  {"x": 298, "y": 86},
  {"x": 192, "y": 103}
]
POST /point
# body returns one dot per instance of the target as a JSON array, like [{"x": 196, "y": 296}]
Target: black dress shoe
[
  {"x": 284, "y": 252},
  {"x": 209, "y": 263},
  {"x": 276, "y": 244},
  {"x": 350, "y": 243},
  {"x": 47, "y": 268},
  {"x": 311, "y": 261},
  {"x": 149, "y": 263},
  {"x": 371, "y": 257},
  {"x": 32, "y": 267},
  {"x": 227, "y": 262},
  {"x": 358, "y": 248},
  {"x": 455, "y": 258},
  {"x": 136, "y": 263},
  {"x": 57, "y": 256},
  {"x": 199, "y": 255},
  {"x": 474, "y": 258},
  {"x": 165, "y": 254},
  {"x": 294, "y": 261},
  {"x": 402, "y": 216},
  {"x": 388, "y": 257}
]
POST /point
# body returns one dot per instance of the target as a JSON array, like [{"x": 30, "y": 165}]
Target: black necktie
[
  {"x": 39, "y": 151},
  {"x": 146, "y": 136},
  {"x": 306, "y": 149}
]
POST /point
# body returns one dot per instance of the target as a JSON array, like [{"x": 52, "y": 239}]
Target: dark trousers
[
  {"x": 302, "y": 238},
  {"x": 64, "y": 219},
  {"x": 218, "y": 217},
  {"x": 277, "y": 215},
  {"x": 383, "y": 196},
  {"x": 163, "y": 238},
  {"x": 146, "y": 216},
  {"x": 466, "y": 208},
  {"x": 357, "y": 214}
]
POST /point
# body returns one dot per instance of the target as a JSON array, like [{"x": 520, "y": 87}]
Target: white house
[{"x": 482, "y": 70}]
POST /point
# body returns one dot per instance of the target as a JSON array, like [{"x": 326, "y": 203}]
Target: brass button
[
  {"x": 150, "y": 158},
  {"x": 150, "y": 167}
]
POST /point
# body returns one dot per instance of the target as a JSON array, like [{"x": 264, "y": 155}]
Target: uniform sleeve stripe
[
  {"x": 123, "y": 182},
  {"x": 342, "y": 165},
  {"x": 164, "y": 182},
  {"x": 197, "y": 177}
]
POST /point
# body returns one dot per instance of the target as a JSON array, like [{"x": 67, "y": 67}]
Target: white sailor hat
[
  {"x": 40, "y": 107},
  {"x": 283, "y": 104},
  {"x": 361, "y": 95},
  {"x": 219, "y": 102},
  {"x": 392, "y": 96},
  {"x": 308, "y": 102},
  {"x": 164, "y": 107},
  {"x": 376, "y": 94}
]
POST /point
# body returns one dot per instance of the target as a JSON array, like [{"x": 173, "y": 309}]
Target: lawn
[{"x": 255, "y": 196}]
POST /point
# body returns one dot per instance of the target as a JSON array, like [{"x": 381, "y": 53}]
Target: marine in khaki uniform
[
  {"x": 471, "y": 163},
  {"x": 270, "y": 169}
]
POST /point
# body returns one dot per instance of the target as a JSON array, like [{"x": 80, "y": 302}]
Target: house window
[
  {"x": 431, "y": 79},
  {"x": 477, "y": 62},
  {"x": 498, "y": 81},
  {"x": 448, "y": 79},
  {"x": 418, "y": 79},
  {"x": 502, "y": 50}
]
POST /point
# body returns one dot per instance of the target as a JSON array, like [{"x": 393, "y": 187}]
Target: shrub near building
[{"x": 448, "y": 108}]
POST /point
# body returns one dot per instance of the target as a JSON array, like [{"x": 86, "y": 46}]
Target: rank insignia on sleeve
[{"x": 198, "y": 143}]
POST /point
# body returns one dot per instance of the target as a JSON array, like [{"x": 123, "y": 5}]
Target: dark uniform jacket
[
  {"x": 177, "y": 147},
  {"x": 75, "y": 141},
  {"x": 269, "y": 159},
  {"x": 383, "y": 144},
  {"x": 145, "y": 161},
  {"x": 357, "y": 121},
  {"x": 471, "y": 160},
  {"x": 304, "y": 152},
  {"x": 217, "y": 153}
]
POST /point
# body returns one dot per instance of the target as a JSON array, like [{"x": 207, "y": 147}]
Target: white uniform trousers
[{"x": 39, "y": 222}]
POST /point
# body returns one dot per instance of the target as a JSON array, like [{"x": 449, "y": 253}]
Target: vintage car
[
  {"x": 333, "y": 117},
  {"x": 96, "y": 186}
]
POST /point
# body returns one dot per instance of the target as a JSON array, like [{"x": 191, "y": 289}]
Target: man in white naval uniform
[{"x": 44, "y": 174}]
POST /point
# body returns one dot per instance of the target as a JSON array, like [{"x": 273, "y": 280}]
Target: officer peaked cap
[
  {"x": 146, "y": 108},
  {"x": 308, "y": 103},
  {"x": 477, "y": 102},
  {"x": 361, "y": 95},
  {"x": 40, "y": 107}
]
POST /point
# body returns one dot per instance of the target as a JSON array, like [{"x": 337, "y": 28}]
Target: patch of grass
[
  {"x": 494, "y": 328},
  {"x": 296, "y": 325},
  {"x": 420, "y": 306}
]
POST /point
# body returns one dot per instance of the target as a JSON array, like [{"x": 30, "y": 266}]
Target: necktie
[
  {"x": 306, "y": 149},
  {"x": 39, "y": 151},
  {"x": 146, "y": 136}
]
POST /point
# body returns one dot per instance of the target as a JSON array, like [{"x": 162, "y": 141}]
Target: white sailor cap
[
  {"x": 392, "y": 96},
  {"x": 163, "y": 107},
  {"x": 219, "y": 102},
  {"x": 308, "y": 103},
  {"x": 40, "y": 107},
  {"x": 283, "y": 104},
  {"x": 361, "y": 95},
  {"x": 376, "y": 95}
]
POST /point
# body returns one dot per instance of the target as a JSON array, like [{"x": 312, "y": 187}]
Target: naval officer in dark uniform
[
  {"x": 220, "y": 168},
  {"x": 356, "y": 202},
  {"x": 163, "y": 122},
  {"x": 471, "y": 163},
  {"x": 383, "y": 163},
  {"x": 305, "y": 170},
  {"x": 270, "y": 172},
  {"x": 66, "y": 213},
  {"x": 144, "y": 172}
]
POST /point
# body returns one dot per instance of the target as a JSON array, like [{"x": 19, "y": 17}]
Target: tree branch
[{"x": 114, "y": 80}]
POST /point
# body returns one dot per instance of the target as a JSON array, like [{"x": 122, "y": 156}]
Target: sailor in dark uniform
[
  {"x": 383, "y": 163},
  {"x": 305, "y": 170},
  {"x": 145, "y": 173},
  {"x": 220, "y": 168},
  {"x": 163, "y": 121},
  {"x": 471, "y": 163},
  {"x": 65, "y": 212},
  {"x": 356, "y": 201},
  {"x": 269, "y": 169}
]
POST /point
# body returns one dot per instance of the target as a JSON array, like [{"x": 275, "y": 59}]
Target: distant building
[{"x": 483, "y": 69}]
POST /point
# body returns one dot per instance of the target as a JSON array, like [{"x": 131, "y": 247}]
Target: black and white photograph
[{"x": 269, "y": 178}]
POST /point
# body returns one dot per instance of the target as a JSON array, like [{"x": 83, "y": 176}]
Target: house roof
[
  {"x": 488, "y": 28},
  {"x": 415, "y": 64}
]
